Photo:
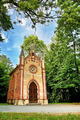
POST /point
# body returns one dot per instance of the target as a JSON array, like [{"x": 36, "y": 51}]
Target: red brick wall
[{"x": 14, "y": 86}]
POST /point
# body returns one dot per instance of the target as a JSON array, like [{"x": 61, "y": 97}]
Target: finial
[
  {"x": 22, "y": 47},
  {"x": 32, "y": 47}
]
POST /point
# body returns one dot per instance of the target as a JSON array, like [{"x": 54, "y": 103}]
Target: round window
[{"x": 33, "y": 69}]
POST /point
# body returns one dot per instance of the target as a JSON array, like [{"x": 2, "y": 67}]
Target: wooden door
[{"x": 32, "y": 93}]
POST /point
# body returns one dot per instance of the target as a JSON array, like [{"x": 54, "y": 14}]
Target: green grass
[
  {"x": 4, "y": 104},
  {"x": 66, "y": 103},
  {"x": 35, "y": 116},
  {"x": 49, "y": 103}
]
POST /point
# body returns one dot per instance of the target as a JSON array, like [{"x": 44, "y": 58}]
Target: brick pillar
[
  {"x": 21, "y": 75},
  {"x": 21, "y": 81},
  {"x": 44, "y": 83}
]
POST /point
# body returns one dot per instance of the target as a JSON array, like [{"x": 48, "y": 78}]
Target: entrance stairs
[{"x": 33, "y": 104}]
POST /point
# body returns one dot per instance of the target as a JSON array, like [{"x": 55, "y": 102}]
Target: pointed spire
[
  {"x": 22, "y": 56},
  {"x": 22, "y": 51}
]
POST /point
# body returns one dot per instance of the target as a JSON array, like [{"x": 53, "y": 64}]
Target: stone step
[{"x": 33, "y": 104}]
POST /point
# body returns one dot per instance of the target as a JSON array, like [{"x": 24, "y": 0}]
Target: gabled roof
[{"x": 17, "y": 67}]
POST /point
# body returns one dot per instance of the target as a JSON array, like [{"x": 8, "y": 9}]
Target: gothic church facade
[{"x": 28, "y": 81}]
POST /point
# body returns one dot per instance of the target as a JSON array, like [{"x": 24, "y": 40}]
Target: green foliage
[
  {"x": 38, "y": 11},
  {"x": 62, "y": 77},
  {"x": 29, "y": 4},
  {"x": 5, "y": 69},
  {"x": 5, "y": 22},
  {"x": 63, "y": 59},
  {"x": 33, "y": 43}
]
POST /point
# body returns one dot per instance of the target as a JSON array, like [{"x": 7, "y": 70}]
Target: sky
[{"x": 14, "y": 38}]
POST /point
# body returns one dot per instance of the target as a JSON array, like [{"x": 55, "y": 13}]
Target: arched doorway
[{"x": 32, "y": 93}]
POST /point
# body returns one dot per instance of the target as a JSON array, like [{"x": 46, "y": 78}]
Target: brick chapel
[{"x": 28, "y": 81}]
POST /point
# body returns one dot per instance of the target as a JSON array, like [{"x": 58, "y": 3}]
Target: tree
[
  {"x": 38, "y": 11},
  {"x": 63, "y": 65},
  {"x": 5, "y": 69},
  {"x": 61, "y": 74},
  {"x": 32, "y": 42},
  {"x": 69, "y": 26}
]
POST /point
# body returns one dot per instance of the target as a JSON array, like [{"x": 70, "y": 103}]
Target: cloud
[
  {"x": 10, "y": 11},
  {"x": 6, "y": 5},
  {"x": 9, "y": 49},
  {"x": 16, "y": 45},
  {"x": 4, "y": 37},
  {"x": 16, "y": 37},
  {"x": 23, "y": 22},
  {"x": 45, "y": 32}
]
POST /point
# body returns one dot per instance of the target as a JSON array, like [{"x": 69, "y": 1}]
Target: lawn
[
  {"x": 35, "y": 116},
  {"x": 48, "y": 103},
  {"x": 67, "y": 103},
  {"x": 4, "y": 104}
]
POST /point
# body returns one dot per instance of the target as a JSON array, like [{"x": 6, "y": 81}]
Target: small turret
[{"x": 22, "y": 57}]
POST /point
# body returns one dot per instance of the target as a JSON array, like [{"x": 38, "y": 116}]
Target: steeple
[
  {"x": 22, "y": 52},
  {"x": 22, "y": 56}
]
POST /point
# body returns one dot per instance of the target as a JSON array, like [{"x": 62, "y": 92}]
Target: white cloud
[
  {"x": 4, "y": 37},
  {"x": 16, "y": 46},
  {"x": 23, "y": 22},
  {"x": 10, "y": 11},
  {"x": 6, "y": 5},
  {"x": 9, "y": 49},
  {"x": 44, "y": 33}
]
